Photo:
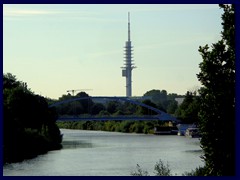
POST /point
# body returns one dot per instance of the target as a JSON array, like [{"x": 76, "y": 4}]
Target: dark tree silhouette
[{"x": 217, "y": 111}]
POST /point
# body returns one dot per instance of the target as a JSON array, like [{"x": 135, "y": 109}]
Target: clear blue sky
[{"x": 55, "y": 48}]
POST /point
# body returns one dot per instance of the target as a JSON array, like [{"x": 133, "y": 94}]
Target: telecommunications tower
[{"x": 128, "y": 63}]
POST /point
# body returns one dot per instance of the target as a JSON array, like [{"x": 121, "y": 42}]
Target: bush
[
  {"x": 160, "y": 169},
  {"x": 139, "y": 172},
  {"x": 125, "y": 125}
]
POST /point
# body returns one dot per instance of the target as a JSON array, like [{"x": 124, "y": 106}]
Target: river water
[{"x": 99, "y": 153}]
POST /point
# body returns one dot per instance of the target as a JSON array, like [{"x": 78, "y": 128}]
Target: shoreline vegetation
[
  {"x": 29, "y": 124},
  {"x": 163, "y": 169},
  {"x": 127, "y": 126}
]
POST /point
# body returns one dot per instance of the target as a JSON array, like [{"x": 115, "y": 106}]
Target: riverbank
[
  {"x": 145, "y": 127},
  {"x": 28, "y": 144}
]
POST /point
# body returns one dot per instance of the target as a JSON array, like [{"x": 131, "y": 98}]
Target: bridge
[{"x": 159, "y": 115}]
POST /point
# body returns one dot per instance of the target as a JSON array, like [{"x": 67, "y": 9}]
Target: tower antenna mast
[
  {"x": 128, "y": 63},
  {"x": 129, "y": 27}
]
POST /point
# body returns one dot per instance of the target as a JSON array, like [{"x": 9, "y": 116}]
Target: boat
[
  {"x": 183, "y": 127},
  {"x": 192, "y": 132},
  {"x": 165, "y": 130}
]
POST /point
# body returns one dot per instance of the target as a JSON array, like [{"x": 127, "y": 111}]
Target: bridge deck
[{"x": 120, "y": 118}]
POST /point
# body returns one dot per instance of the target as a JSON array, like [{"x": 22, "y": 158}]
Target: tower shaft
[
  {"x": 129, "y": 39},
  {"x": 128, "y": 63}
]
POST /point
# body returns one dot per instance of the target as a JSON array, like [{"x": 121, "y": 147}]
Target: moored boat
[
  {"x": 192, "y": 132},
  {"x": 165, "y": 130},
  {"x": 183, "y": 127}
]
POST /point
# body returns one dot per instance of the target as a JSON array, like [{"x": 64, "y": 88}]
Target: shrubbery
[
  {"x": 161, "y": 169},
  {"x": 145, "y": 127}
]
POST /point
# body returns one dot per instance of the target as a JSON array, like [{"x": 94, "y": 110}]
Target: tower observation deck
[{"x": 128, "y": 62}]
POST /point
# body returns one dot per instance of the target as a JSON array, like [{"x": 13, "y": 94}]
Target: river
[{"x": 99, "y": 153}]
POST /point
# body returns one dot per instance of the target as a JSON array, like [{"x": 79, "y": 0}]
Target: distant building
[{"x": 179, "y": 100}]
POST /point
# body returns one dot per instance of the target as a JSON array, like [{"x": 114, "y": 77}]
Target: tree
[
  {"x": 217, "y": 110},
  {"x": 145, "y": 111},
  {"x": 172, "y": 106},
  {"x": 29, "y": 125},
  {"x": 112, "y": 106},
  {"x": 172, "y": 96},
  {"x": 157, "y": 96},
  {"x": 188, "y": 110},
  {"x": 96, "y": 108},
  {"x": 162, "y": 99},
  {"x": 128, "y": 108},
  {"x": 10, "y": 81},
  {"x": 87, "y": 103}
]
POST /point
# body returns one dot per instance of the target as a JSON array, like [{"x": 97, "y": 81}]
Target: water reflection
[
  {"x": 95, "y": 153},
  {"x": 195, "y": 151},
  {"x": 76, "y": 144}
]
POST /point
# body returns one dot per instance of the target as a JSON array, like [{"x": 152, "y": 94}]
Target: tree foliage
[
  {"x": 217, "y": 111},
  {"x": 188, "y": 110},
  {"x": 127, "y": 126},
  {"x": 29, "y": 125},
  {"x": 145, "y": 111},
  {"x": 164, "y": 101}
]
